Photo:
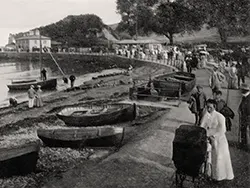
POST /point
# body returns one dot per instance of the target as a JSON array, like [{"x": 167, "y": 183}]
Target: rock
[{"x": 99, "y": 154}]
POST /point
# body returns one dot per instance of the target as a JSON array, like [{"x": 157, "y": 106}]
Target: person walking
[
  {"x": 216, "y": 79},
  {"x": 244, "y": 116},
  {"x": 232, "y": 76},
  {"x": 214, "y": 123},
  {"x": 72, "y": 79},
  {"x": 199, "y": 99},
  {"x": 241, "y": 70},
  {"x": 31, "y": 96},
  {"x": 38, "y": 101},
  {"x": 188, "y": 60}
]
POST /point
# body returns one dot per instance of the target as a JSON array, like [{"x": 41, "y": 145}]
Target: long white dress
[{"x": 215, "y": 125}]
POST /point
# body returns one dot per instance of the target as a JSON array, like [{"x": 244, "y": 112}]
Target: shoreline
[{"x": 23, "y": 121}]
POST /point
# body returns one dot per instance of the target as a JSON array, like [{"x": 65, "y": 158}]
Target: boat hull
[
  {"x": 127, "y": 113},
  {"x": 174, "y": 84},
  {"x": 19, "y": 160},
  {"x": 83, "y": 137},
  {"x": 49, "y": 84}
]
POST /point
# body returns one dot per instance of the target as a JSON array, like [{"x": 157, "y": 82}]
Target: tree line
[{"x": 170, "y": 17}]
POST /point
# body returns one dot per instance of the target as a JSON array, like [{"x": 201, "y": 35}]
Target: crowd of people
[{"x": 178, "y": 57}]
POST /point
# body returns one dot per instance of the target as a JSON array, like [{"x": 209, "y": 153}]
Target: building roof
[{"x": 32, "y": 37}]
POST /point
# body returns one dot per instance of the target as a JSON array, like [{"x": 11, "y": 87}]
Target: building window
[
  {"x": 44, "y": 42},
  {"x": 35, "y": 41}
]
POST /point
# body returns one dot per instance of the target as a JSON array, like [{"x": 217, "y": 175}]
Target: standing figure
[
  {"x": 39, "y": 102},
  {"x": 199, "y": 98},
  {"x": 44, "y": 74},
  {"x": 216, "y": 79},
  {"x": 214, "y": 123},
  {"x": 72, "y": 79},
  {"x": 221, "y": 106},
  {"x": 244, "y": 116},
  {"x": 195, "y": 61},
  {"x": 232, "y": 78},
  {"x": 31, "y": 96},
  {"x": 188, "y": 60},
  {"x": 241, "y": 70}
]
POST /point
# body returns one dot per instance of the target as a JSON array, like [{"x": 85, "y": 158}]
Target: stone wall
[{"x": 79, "y": 63}]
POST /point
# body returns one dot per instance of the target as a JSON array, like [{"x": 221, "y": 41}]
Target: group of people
[
  {"x": 214, "y": 115},
  {"x": 35, "y": 97}
]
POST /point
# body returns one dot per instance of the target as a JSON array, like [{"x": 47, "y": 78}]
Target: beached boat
[
  {"x": 105, "y": 136},
  {"x": 174, "y": 84},
  {"x": 49, "y": 84},
  {"x": 91, "y": 116},
  {"x": 19, "y": 159}
]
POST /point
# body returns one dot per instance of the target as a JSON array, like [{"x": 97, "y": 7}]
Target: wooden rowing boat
[
  {"x": 19, "y": 159},
  {"x": 75, "y": 137},
  {"x": 97, "y": 115},
  {"x": 174, "y": 84},
  {"x": 49, "y": 84}
]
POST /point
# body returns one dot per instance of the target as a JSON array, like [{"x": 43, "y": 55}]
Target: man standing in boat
[
  {"x": 31, "y": 96},
  {"x": 44, "y": 74}
]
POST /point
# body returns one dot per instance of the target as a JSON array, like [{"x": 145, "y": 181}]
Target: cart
[{"x": 190, "y": 155}]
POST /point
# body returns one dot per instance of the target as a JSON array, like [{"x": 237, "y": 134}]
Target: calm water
[{"x": 21, "y": 70}]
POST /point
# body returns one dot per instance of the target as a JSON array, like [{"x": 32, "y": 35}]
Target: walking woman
[
  {"x": 216, "y": 79},
  {"x": 215, "y": 124},
  {"x": 232, "y": 76},
  {"x": 39, "y": 102}
]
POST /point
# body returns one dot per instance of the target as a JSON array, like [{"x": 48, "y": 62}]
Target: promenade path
[{"x": 146, "y": 160}]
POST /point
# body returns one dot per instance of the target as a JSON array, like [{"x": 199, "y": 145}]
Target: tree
[
  {"x": 230, "y": 17},
  {"x": 137, "y": 15},
  {"x": 172, "y": 18},
  {"x": 77, "y": 31}
]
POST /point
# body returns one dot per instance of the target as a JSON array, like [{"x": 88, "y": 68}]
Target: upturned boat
[
  {"x": 97, "y": 115},
  {"x": 76, "y": 137},
  {"x": 19, "y": 159}
]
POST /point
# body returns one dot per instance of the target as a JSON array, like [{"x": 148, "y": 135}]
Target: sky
[{"x": 22, "y": 15}]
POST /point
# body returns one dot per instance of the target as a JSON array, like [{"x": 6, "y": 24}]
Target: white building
[
  {"x": 30, "y": 41},
  {"x": 11, "y": 39}
]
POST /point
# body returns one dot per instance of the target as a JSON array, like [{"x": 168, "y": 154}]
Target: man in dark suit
[
  {"x": 200, "y": 101},
  {"x": 244, "y": 115},
  {"x": 241, "y": 69}
]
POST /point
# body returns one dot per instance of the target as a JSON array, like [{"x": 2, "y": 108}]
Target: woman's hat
[{"x": 245, "y": 87}]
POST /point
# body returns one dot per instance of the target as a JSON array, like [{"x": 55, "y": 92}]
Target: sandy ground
[{"x": 22, "y": 122}]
